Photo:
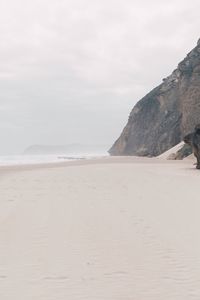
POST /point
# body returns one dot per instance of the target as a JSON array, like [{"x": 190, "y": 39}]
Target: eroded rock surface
[
  {"x": 170, "y": 111},
  {"x": 193, "y": 140}
]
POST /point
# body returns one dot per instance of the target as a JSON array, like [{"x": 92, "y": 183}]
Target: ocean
[{"x": 9, "y": 160}]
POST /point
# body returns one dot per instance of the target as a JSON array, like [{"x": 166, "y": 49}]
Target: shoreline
[{"x": 93, "y": 161}]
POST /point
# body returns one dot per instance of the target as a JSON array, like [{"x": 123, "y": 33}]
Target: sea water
[{"x": 9, "y": 160}]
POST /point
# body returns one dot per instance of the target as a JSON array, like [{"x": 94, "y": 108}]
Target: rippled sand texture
[{"x": 99, "y": 232}]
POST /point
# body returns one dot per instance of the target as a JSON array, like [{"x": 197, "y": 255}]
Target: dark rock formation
[
  {"x": 170, "y": 111},
  {"x": 193, "y": 140}
]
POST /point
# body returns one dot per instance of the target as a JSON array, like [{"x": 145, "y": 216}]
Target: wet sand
[{"x": 108, "y": 229}]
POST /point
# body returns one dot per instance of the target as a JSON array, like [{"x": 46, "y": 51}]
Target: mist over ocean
[
  {"x": 9, "y": 160},
  {"x": 41, "y": 154}
]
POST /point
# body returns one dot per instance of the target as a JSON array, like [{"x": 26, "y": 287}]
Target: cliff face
[{"x": 161, "y": 119}]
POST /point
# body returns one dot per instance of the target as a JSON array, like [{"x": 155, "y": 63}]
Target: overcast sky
[{"x": 71, "y": 70}]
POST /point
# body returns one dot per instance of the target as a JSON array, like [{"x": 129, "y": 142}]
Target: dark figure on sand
[{"x": 193, "y": 139}]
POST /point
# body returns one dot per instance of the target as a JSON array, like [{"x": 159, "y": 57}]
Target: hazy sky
[{"x": 71, "y": 70}]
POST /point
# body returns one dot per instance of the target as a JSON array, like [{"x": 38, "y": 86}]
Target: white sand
[
  {"x": 172, "y": 150},
  {"x": 122, "y": 229}
]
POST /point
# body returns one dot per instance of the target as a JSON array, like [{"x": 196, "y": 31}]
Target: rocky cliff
[{"x": 161, "y": 119}]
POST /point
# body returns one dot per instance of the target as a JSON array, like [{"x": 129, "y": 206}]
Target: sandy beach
[{"x": 107, "y": 229}]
